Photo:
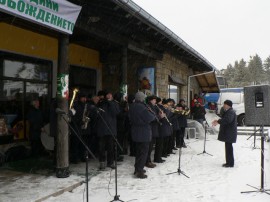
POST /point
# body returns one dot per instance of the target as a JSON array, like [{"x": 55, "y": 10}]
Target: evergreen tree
[
  {"x": 266, "y": 66},
  {"x": 241, "y": 76},
  {"x": 255, "y": 67},
  {"x": 229, "y": 74}
]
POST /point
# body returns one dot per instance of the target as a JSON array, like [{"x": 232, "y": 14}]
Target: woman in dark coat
[{"x": 227, "y": 131}]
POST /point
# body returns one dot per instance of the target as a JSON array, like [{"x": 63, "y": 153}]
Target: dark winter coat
[
  {"x": 140, "y": 118},
  {"x": 155, "y": 124},
  {"x": 228, "y": 127},
  {"x": 165, "y": 129},
  {"x": 174, "y": 121},
  {"x": 198, "y": 112},
  {"x": 182, "y": 120},
  {"x": 109, "y": 114},
  {"x": 35, "y": 118}
]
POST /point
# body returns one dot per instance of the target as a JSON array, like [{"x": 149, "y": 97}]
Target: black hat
[
  {"x": 151, "y": 97},
  {"x": 81, "y": 95},
  {"x": 228, "y": 102},
  {"x": 101, "y": 93}
]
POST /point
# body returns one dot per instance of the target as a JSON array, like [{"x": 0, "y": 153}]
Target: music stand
[
  {"x": 86, "y": 154},
  {"x": 262, "y": 167},
  {"x": 179, "y": 171},
  {"x": 204, "y": 152},
  {"x": 116, "y": 143}
]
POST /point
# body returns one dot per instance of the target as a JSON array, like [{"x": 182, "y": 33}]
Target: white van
[{"x": 236, "y": 95}]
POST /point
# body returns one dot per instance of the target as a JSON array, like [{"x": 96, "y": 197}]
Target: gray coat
[
  {"x": 140, "y": 119},
  {"x": 228, "y": 127}
]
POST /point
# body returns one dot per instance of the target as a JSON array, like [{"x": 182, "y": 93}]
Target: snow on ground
[{"x": 208, "y": 182}]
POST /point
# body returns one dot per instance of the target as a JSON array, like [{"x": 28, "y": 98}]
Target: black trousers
[
  {"x": 141, "y": 155},
  {"x": 158, "y": 148},
  {"x": 165, "y": 146},
  {"x": 229, "y": 154},
  {"x": 151, "y": 145},
  {"x": 106, "y": 144}
]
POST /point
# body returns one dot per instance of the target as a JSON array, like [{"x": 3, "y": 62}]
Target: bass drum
[{"x": 46, "y": 139}]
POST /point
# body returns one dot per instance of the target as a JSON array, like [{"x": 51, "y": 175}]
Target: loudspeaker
[{"x": 257, "y": 105}]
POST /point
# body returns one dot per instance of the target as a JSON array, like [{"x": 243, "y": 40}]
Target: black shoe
[
  {"x": 229, "y": 166},
  {"x": 224, "y": 164},
  {"x": 159, "y": 161},
  {"x": 144, "y": 171},
  {"x": 172, "y": 152},
  {"x": 141, "y": 175},
  {"x": 184, "y": 146},
  {"x": 175, "y": 148}
]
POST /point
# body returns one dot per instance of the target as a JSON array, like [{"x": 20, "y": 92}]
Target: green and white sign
[
  {"x": 62, "y": 86},
  {"x": 57, "y": 14}
]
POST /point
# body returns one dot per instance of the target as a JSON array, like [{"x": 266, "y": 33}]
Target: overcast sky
[{"x": 222, "y": 31}]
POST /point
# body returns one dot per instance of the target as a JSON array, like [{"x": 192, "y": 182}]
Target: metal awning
[
  {"x": 208, "y": 82},
  {"x": 176, "y": 80}
]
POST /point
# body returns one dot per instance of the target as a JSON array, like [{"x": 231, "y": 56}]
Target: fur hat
[{"x": 140, "y": 96}]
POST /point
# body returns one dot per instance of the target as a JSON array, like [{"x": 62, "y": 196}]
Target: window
[
  {"x": 22, "y": 79},
  {"x": 173, "y": 92}
]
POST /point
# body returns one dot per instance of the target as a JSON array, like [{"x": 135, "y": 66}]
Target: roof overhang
[
  {"x": 176, "y": 80},
  {"x": 208, "y": 82}
]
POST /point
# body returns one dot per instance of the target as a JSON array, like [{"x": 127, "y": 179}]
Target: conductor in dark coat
[
  {"x": 227, "y": 131},
  {"x": 141, "y": 131}
]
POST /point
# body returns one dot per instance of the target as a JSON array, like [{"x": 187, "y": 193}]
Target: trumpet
[
  {"x": 161, "y": 111},
  {"x": 75, "y": 91}
]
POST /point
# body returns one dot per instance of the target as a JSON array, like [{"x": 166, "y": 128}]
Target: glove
[{"x": 73, "y": 111}]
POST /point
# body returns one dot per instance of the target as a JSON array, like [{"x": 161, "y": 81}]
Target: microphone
[{"x": 60, "y": 111}]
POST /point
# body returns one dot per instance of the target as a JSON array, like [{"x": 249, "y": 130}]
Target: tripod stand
[
  {"x": 205, "y": 131},
  {"x": 86, "y": 155},
  {"x": 179, "y": 171},
  {"x": 116, "y": 144},
  {"x": 262, "y": 167}
]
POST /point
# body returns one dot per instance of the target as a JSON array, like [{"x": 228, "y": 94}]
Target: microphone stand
[
  {"x": 179, "y": 171},
  {"x": 116, "y": 143},
  {"x": 262, "y": 167},
  {"x": 204, "y": 152},
  {"x": 86, "y": 154}
]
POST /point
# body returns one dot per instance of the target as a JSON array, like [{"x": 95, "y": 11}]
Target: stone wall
[{"x": 171, "y": 66}]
